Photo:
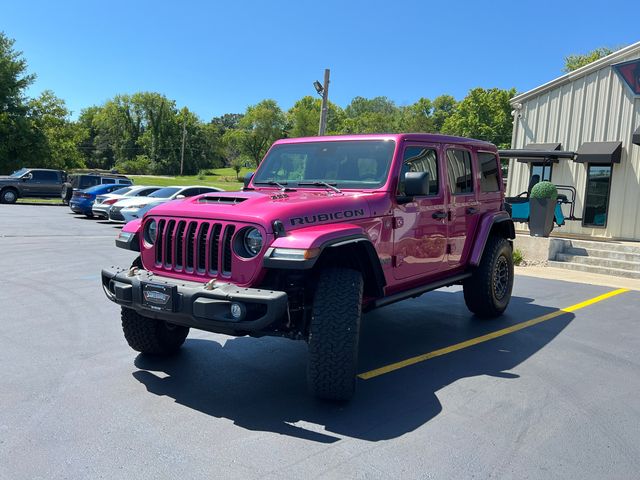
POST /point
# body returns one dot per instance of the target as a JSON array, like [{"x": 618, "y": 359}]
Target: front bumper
[
  {"x": 194, "y": 305},
  {"x": 101, "y": 210}
]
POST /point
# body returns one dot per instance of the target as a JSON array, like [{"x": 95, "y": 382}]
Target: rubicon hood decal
[{"x": 323, "y": 217}]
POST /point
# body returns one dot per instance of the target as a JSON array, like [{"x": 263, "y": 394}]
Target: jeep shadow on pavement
[
  {"x": 326, "y": 229},
  {"x": 258, "y": 384}
]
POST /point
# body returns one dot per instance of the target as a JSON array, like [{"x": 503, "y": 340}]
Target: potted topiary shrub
[{"x": 542, "y": 206}]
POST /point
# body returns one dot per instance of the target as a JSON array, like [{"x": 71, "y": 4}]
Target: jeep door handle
[
  {"x": 472, "y": 211},
  {"x": 439, "y": 215}
]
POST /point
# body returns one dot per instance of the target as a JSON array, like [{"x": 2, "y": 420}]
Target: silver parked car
[{"x": 103, "y": 203}]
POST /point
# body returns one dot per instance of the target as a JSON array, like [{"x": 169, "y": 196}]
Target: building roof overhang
[{"x": 599, "y": 152}]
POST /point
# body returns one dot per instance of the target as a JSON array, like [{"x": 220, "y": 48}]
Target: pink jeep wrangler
[{"x": 327, "y": 228}]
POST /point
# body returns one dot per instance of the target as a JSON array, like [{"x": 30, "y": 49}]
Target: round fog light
[{"x": 238, "y": 311}]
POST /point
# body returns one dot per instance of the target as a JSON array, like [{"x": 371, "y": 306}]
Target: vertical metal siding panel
[
  {"x": 618, "y": 119},
  {"x": 634, "y": 165}
]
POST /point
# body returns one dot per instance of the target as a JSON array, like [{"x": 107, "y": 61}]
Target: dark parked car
[
  {"x": 82, "y": 181},
  {"x": 31, "y": 183}
]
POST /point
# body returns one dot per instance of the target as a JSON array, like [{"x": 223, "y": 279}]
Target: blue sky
[{"x": 219, "y": 58}]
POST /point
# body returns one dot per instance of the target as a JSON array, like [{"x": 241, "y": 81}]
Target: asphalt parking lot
[{"x": 559, "y": 398}]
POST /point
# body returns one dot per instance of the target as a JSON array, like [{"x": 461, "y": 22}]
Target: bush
[
  {"x": 202, "y": 175},
  {"x": 518, "y": 257},
  {"x": 544, "y": 190},
  {"x": 141, "y": 165}
]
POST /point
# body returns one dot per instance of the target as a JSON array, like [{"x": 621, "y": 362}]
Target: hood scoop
[{"x": 221, "y": 200}]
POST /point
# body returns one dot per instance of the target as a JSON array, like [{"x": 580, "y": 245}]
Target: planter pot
[{"x": 541, "y": 216}]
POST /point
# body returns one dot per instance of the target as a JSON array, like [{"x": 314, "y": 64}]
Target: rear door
[
  {"x": 420, "y": 223},
  {"x": 464, "y": 208}
]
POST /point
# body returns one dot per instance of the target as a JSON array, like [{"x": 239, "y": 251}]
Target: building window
[
  {"x": 596, "y": 205},
  {"x": 489, "y": 181},
  {"x": 542, "y": 170},
  {"x": 459, "y": 171}
]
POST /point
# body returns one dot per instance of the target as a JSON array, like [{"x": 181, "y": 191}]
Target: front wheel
[
  {"x": 488, "y": 291},
  {"x": 334, "y": 333},
  {"x": 9, "y": 195},
  {"x": 151, "y": 336}
]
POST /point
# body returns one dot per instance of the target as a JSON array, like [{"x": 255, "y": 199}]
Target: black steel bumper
[{"x": 192, "y": 304}]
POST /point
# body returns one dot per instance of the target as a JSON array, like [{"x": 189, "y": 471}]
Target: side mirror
[
  {"x": 416, "y": 184},
  {"x": 26, "y": 177},
  {"x": 180, "y": 197},
  {"x": 247, "y": 179}
]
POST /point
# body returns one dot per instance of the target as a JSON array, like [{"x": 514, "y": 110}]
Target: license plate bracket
[{"x": 159, "y": 297}]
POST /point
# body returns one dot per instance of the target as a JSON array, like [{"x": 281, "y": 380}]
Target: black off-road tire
[
  {"x": 151, "y": 336},
  {"x": 66, "y": 193},
  {"x": 9, "y": 195},
  {"x": 488, "y": 291},
  {"x": 334, "y": 331}
]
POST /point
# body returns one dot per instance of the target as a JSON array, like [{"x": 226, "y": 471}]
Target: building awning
[
  {"x": 636, "y": 136},
  {"x": 538, "y": 153},
  {"x": 599, "y": 152}
]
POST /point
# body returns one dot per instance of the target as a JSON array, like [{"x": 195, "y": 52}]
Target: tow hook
[{"x": 133, "y": 271}]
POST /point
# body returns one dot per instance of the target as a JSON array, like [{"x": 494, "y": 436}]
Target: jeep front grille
[{"x": 194, "y": 246}]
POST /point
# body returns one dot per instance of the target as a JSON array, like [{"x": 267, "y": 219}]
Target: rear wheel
[
  {"x": 488, "y": 291},
  {"x": 333, "y": 334},
  {"x": 151, "y": 336},
  {"x": 9, "y": 195}
]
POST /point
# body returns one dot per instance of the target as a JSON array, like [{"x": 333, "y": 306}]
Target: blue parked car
[{"x": 82, "y": 200}]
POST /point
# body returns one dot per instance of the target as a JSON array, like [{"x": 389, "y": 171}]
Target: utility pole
[
  {"x": 325, "y": 98},
  {"x": 184, "y": 138}
]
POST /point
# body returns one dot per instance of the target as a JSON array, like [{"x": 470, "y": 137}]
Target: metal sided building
[{"x": 594, "y": 111}]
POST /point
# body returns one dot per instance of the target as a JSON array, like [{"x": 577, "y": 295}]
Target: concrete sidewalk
[{"x": 578, "y": 277}]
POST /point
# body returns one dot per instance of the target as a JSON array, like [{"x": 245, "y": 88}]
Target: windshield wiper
[
  {"x": 319, "y": 183},
  {"x": 282, "y": 186}
]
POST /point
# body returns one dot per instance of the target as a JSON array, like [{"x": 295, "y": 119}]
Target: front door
[
  {"x": 464, "y": 207},
  {"x": 420, "y": 223}
]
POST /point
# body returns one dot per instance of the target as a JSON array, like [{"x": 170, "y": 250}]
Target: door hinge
[
  {"x": 448, "y": 248},
  {"x": 397, "y": 222}
]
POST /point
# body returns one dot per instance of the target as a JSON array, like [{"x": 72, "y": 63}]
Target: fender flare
[
  {"x": 487, "y": 223},
  {"x": 348, "y": 237}
]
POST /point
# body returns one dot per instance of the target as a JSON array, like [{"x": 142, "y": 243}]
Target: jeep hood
[{"x": 294, "y": 209}]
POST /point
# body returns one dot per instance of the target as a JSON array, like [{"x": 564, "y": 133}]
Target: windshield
[
  {"x": 164, "y": 192},
  {"x": 19, "y": 173},
  {"x": 121, "y": 191},
  {"x": 344, "y": 164}
]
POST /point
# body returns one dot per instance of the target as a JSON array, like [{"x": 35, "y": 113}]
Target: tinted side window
[
  {"x": 190, "y": 192},
  {"x": 42, "y": 176},
  {"x": 88, "y": 181},
  {"x": 459, "y": 171},
  {"x": 125, "y": 182},
  {"x": 420, "y": 159},
  {"x": 108, "y": 181},
  {"x": 489, "y": 180}
]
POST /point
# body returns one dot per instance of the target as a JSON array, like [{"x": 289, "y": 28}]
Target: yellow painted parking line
[{"x": 489, "y": 336}]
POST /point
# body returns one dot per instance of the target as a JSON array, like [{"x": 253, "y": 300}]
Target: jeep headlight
[
  {"x": 252, "y": 241},
  {"x": 151, "y": 232}
]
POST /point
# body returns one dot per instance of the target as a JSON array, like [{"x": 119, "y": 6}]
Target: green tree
[
  {"x": 22, "y": 143},
  {"x": 443, "y": 107},
  {"x": 62, "y": 137},
  {"x": 303, "y": 118},
  {"x": 573, "y": 62},
  {"x": 375, "y": 115},
  {"x": 262, "y": 124},
  {"x": 417, "y": 117},
  {"x": 483, "y": 114}
]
